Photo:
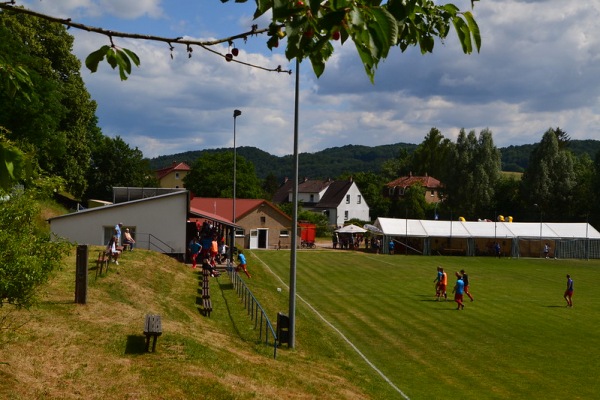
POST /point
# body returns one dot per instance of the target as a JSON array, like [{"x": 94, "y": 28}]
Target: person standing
[
  {"x": 437, "y": 280},
  {"x": 569, "y": 292},
  {"x": 118, "y": 232},
  {"x": 242, "y": 263},
  {"x": 458, "y": 292},
  {"x": 443, "y": 284},
  {"x": 546, "y": 250},
  {"x": 194, "y": 249},
  {"x": 391, "y": 246},
  {"x": 465, "y": 279}
]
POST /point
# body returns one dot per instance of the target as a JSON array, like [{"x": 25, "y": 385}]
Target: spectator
[
  {"x": 128, "y": 239},
  {"x": 118, "y": 232},
  {"x": 546, "y": 250},
  {"x": 207, "y": 266},
  {"x": 111, "y": 249}
]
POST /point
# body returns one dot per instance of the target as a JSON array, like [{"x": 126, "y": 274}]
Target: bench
[
  {"x": 152, "y": 329},
  {"x": 101, "y": 262},
  {"x": 451, "y": 252},
  {"x": 206, "y": 302}
]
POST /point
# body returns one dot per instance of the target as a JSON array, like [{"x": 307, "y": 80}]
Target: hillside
[
  {"x": 61, "y": 350},
  {"x": 333, "y": 162}
]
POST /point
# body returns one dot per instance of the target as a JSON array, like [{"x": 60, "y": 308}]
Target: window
[
  {"x": 176, "y": 175},
  {"x": 347, "y": 199},
  {"x": 345, "y": 215},
  {"x": 239, "y": 232},
  {"x": 263, "y": 220},
  {"x": 359, "y": 199},
  {"x": 284, "y": 233},
  {"x": 312, "y": 198}
]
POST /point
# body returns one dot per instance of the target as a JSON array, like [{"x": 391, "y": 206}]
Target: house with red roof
[
  {"x": 259, "y": 223},
  {"x": 172, "y": 176},
  {"x": 432, "y": 186}
]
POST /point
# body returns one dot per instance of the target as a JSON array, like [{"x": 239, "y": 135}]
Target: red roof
[
  {"x": 406, "y": 181},
  {"x": 223, "y": 207},
  {"x": 161, "y": 173}
]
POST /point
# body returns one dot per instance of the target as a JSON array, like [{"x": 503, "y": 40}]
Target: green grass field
[
  {"x": 366, "y": 328},
  {"x": 516, "y": 340}
]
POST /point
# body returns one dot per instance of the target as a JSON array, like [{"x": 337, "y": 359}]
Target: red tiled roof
[
  {"x": 406, "y": 181},
  {"x": 223, "y": 207},
  {"x": 161, "y": 173}
]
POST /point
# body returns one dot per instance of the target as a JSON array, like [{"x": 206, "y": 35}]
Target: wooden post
[{"x": 81, "y": 274}]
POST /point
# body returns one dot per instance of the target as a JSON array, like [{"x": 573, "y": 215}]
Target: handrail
[
  {"x": 153, "y": 243},
  {"x": 253, "y": 306}
]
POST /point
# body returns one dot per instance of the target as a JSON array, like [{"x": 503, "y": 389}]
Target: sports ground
[{"x": 517, "y": 340}]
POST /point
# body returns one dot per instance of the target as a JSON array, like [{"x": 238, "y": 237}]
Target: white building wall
[
  {"x": 357, "y": 207},
  {"x": 164, "y": 217}
]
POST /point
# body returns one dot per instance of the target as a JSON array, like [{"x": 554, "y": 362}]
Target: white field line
[{"x": 385, "y": 378}]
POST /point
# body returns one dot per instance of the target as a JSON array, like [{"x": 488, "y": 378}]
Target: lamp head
[{"x": 236, "y": 113}]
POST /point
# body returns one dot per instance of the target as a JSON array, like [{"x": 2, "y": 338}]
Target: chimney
[
  {"x": 305, "y": 179},
  {"x": 285, "y": 180}
]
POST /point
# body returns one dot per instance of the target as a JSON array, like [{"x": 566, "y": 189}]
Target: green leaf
[
  {"x": 133, "y": 57},
  {"x": 92, "y": 60},
  {"x": 474, "y": 29}
]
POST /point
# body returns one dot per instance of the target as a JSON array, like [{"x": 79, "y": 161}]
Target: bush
[{"x": 27, "y": 255}]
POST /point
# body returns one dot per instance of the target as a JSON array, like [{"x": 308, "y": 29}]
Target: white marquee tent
[{"x": 580, "y": 240}]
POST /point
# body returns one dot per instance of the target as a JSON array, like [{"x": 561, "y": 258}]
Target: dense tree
[
  {"x": 395, "y": 167},
  {"x": 52, "y": 121},
  {"x": 431, "y": 155},
  {"x": 270, "y": 186},
  {"x": 28, "y": 256},
  {"x": 212, "y": 176},
  {"x": 472, "y": 173},
  {"x": 115, "y": 164},
  {"x": 583, "y": 191},
  {"x": 550, "y": 178}
]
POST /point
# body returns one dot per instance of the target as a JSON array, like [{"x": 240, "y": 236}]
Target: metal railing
[{"x": 255, "y": 310}]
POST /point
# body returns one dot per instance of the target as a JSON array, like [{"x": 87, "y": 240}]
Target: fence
[{"x": 255, "y": 310}]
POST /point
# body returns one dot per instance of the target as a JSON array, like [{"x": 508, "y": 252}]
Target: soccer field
[{"x": 517, "y": 340}]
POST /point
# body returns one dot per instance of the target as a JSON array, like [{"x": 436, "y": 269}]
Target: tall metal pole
[
  {"x": 236, "y": 113},
  {"x": 292, "y": 304}
]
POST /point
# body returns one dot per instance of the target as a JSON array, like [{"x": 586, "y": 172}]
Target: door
[
  {"x": 253, "y": 239},
  {"x": 263, "y": 238}
]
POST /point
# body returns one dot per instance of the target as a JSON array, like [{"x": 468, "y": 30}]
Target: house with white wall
[{"x": 340, "y": 201}]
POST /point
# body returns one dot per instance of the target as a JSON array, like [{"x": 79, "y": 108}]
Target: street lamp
[{"x": 236, "y": 113}]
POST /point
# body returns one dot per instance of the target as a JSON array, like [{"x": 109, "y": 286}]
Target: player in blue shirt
[
  {"x": 569, "y": 292},
  {"x": 458, "y": 291},
  {"x": 242, "y": 263}
]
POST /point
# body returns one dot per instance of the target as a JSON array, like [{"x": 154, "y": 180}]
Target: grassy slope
[
  {"x": 517, "y": 340},
  {"x": 95, "y": 351}
]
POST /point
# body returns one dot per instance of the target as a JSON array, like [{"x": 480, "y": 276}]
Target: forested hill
[{"x": 335, "y": 161}]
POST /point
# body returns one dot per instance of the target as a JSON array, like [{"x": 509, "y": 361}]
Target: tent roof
[
  {"x": 351, "y": 229},
  {"x": 428, "y": 228}
]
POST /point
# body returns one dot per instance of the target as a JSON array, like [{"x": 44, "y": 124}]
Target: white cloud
[{"x": 539, "y": 67}]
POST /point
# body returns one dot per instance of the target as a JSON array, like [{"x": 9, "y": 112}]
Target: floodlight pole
[
  {"x": 236, "y": 113},
  {"x": 292, "y": 301}
]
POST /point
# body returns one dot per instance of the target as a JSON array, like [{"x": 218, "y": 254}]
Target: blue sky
[{"x": 539, "y": 67}]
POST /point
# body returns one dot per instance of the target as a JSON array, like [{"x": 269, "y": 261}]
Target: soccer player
[
  {"x": 465, "y": 279},
  {"x": 458, "y": 292},
  {"x": 442, "y": 284},
  {"x": 242, "y": 263},
  {"x": 437, "y": 280},
  {"x": 569, "y": 292}
]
